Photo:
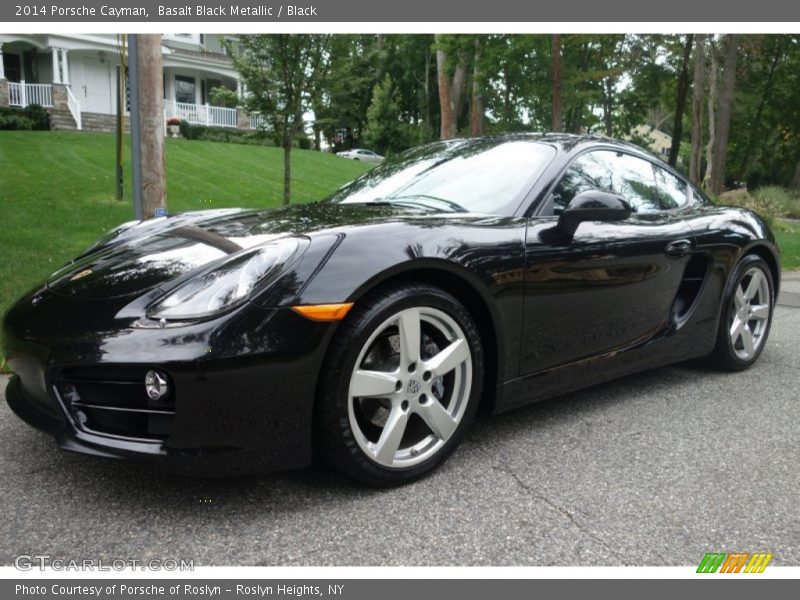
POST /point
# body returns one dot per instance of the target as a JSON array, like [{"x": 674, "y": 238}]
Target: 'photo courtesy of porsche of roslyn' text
[{"x": 303, "y": 296}]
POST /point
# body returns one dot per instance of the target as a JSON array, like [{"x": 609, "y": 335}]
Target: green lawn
[
  {"x": 57, "y": 192},
  {"x": 788, "y": 237}
]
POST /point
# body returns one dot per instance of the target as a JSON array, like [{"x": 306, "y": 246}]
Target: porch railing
[
  {"x": 74, "y": 107},
  {"x": 257, "y": 121},
  {"x": 201, "y": 114},
  {"x": 23, "y": 94}
]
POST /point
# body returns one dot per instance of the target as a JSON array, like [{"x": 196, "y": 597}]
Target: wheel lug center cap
[{"x": 414, "y": 387}]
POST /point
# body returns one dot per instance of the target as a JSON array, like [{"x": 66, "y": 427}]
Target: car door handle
[{"x": 678, "y": 248}]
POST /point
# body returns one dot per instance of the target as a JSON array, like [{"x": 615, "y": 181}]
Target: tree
[
  {"x": 722, "y": 129},
  {"x": 450, "y": 87},
  {"x": 796, "y": 178},
  {"x": 384, "y": 133},
  {"x": 477, "y": 109},
  {"x": 698, "y": 90},
  {"x": 776, "y": 54},
  {"x": 280, "y": 71},
  {"x": 680, "y": 104},
  {"x": 558, "y": 120},
  {"x": 712, "y": 118},
  {"x": 151, "y": 114}
]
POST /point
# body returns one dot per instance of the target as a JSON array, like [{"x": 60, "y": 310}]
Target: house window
[
  {"x": 13, "y": 67},
  {"x": 185, "y": 89}
]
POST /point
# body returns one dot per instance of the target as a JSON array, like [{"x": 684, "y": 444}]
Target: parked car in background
[{"x": 361, "y": 154}]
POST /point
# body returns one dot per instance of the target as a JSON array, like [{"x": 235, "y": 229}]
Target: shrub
[
  {"x": 15, "y": 122},
  {"x": 222, "y": 96},
  {"x": 189, "y": 131},
  {"x": 787, "y": 201},
  {"x": 764, "y": 205},
  {"x": 33, "y": 113},
  {"x": 38, "y": 116},
  {"x": 225, "y": 135}
]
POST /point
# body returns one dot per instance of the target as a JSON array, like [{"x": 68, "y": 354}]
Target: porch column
[
  {"x": 64, "y": 66},
  {"x": 239, "y": 91},
  {"x": 4, "y": 99},
  {"x": 56, "y": 70}
]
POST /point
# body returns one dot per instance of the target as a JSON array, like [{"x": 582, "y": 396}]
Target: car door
[{"x": 613, "y": 283}]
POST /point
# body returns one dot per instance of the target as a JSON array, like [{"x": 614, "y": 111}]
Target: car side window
[
  {"x": 618, "y": 173},
  {"x": 673, "y": 192}
]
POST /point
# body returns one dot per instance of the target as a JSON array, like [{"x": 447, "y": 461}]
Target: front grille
[{"x": 113, "y": 401}]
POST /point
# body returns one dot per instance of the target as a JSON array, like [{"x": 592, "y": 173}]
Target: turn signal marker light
[{"x": 324, "y": 312}]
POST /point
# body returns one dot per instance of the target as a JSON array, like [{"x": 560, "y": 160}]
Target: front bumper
[{"x": 243, "y": 387}]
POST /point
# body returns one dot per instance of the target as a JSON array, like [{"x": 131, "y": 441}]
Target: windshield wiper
[{"x": 426, "y": 200}]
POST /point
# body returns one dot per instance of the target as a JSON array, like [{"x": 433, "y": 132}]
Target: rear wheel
[
  {"x": 401, "y": 385},
  {"x": 746, "y": 316}
]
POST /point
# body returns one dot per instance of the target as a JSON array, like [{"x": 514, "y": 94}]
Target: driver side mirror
[{"x": 592, "y": 205}]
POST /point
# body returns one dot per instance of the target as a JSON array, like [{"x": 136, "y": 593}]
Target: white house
[
  {"x": 76, "y": 77},
  {"x": 658, "y": 142}
]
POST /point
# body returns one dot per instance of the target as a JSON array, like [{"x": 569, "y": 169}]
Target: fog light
[{"x": 155, "y": 384}]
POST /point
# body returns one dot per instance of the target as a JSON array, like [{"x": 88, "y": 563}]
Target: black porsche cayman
[{"x": 371, "y": 327}]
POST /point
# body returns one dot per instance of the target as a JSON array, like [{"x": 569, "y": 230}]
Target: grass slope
[
  {"x": 788, "y": 238},
  {"x": 57, "y": 192}
]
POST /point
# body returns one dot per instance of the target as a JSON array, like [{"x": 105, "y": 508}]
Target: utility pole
[
  {"x": 147, "y": 126},
  {"x": 120, "y": 114}
]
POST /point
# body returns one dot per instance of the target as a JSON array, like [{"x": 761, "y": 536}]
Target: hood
[{"x": 148, "y": 255}]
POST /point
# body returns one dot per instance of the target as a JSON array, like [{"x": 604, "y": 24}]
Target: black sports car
[{"x": 371, "y": 327}]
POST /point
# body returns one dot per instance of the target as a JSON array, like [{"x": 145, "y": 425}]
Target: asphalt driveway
[{"x": 653, "y": 469}]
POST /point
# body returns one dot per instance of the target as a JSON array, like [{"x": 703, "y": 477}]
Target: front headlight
[{"x": 227, "y": 284}]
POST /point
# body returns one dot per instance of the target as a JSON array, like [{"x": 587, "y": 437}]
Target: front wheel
[
  {"x": 401, "y": 385},
  {"x": 746, "y": 316}
]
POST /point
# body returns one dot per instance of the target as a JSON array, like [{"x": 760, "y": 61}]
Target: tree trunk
[
  {"x": 712, "y": 119},
  {"x": 508, "y": 113},
  {"x": 428, "y": 119},
  {"x": 456, "y": 91},
  {"x": 796, "y": 178},
  {"x": 448, "y": 121},
  {"x": 608, "y": 106},
  {"x": 558, "y": 119},
  {"x": 151, "y": 111},
  {"x": 287, "y": 169},
  {"x": 317, "y": 137},
  {"x": 680, "y": 104},
  {"x": 731, "y": 49},
  {"x": 477, "y": 110},
  {"x": 698, "y": 89}
]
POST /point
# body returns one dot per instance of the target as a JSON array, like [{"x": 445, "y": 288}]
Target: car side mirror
[{"x": 592, "y": 205}]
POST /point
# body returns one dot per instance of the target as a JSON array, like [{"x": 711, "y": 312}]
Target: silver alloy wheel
[
  {"x": 750, "y": 314},
  {"x": 410, "y": 387}
]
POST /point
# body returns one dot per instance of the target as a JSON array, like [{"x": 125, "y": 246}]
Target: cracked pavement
[{"x": 653, "y": 469}]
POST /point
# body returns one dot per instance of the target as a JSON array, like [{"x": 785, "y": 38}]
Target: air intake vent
[
  {"x": 113, "y": 401},
  {"x": 693, "y": 277}
]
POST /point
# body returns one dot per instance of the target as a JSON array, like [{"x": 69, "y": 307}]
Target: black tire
[
  {"x": 336, "y": 441},
  {"x": 724, "y": 356}
]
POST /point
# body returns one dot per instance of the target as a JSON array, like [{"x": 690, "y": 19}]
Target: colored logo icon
[{"x": 734, "y": 562}]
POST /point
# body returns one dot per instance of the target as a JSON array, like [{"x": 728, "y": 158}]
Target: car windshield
[{"x": 488, "y": 176}]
